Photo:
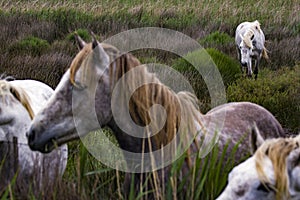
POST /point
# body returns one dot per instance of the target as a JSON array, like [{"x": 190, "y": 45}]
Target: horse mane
[
  {"x": 181, "y": 108},
  {"x": 19, "y": 93},
  {"x": 250, "y": 33},
  {"x": 277, "y": 150}
]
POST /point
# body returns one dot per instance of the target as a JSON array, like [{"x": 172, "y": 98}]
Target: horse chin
[
  {"x": 244, "y": 64},
  {"x": 48, "y": 144},
  {"x": 68, "y": 138},
  {"x": 46, "y": 147}
]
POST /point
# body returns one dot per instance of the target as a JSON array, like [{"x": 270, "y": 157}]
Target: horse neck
[{"x": 178, "y": 107}]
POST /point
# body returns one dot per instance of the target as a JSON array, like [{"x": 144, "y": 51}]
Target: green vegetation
[
  {"x": 279, "y": 92},
  {"x": 83, "y": 33},
  {"x": 29, "y": 45},
  {"x": 36, "y": 41},
  {"x": 217, "y": 38}
]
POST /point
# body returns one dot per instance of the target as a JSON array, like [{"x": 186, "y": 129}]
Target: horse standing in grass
[
  {"x": 273, "y": 172},
  {"x": 250, "y": 43},
  {"x": 20, "y": 101},
  {"x": 94, "y": 77}
]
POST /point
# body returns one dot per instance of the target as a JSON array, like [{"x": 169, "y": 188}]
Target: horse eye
[{"x": 265, "y": 187}]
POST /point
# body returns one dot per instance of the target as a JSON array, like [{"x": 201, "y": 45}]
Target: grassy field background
[{"x": 36, "y": 42}]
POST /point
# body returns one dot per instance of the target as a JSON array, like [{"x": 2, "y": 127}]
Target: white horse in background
[
  {"x": 250, "y": 42},
  {"x": 20, "y": 101},
  {"x": 273, "y": 172}
]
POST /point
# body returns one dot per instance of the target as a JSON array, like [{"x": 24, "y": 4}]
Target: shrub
[
  {"x": 216, "y": 38},
  {"x": 83, "y": 33},
  {"x": 228, "y": 67},
  {"x": 29, "y": 45},
  {"x": 279, "y": 92}
]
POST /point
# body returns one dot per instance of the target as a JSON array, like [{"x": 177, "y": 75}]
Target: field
[{"x": 36, "y": 41}]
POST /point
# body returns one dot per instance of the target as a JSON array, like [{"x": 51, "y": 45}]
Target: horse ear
[
  {"x": 95, "y": 42},
  {"x": 256, "y": 139},
  {"x": 80, "y": 42},
  {"x": 97, "y": 47}
]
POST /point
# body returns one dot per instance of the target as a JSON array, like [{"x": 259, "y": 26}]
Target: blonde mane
[
  {"x": 277, "y": 150},
  {"x": 255, "y": 26},
  {"x": 6, "y": 88},
  {"x": 180, "y": 108}
]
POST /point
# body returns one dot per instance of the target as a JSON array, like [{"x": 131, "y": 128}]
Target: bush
[
  {"x": 83, "y": 33},
  {"x": 228, "y": 67},
  {"x": 279, "y": 92},
  {"x": 216, "y": 38},
  {"x": 29, "y": 45}
]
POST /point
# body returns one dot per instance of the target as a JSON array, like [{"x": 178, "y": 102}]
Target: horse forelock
[
  {"x": 247, "y": 38},
  {"x": 20, "y": 94},
  {"x": 277, "y": 150},
  {"x": 78, "y": 60},
  {"x": 254, "y": 26}
]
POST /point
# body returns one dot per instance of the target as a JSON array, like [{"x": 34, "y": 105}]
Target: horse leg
[
  {"x": 256, "y": 68},
  {"x": 239, "y": 58},
  {"x": 249, "y": 71}
]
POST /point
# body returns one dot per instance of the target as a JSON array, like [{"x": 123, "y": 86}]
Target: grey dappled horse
[{"x": 102, "y": 76}]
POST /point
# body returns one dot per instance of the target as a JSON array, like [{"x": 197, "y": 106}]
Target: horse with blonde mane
[
  {"x": 273, "y": 172},
  {"x": 104, "y": 81},
  {"x": 20, "y": 101},
  {"x": 250, "y": 43}
]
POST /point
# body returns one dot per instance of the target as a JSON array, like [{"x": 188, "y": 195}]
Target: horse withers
[{"x": 250, "y": 43}]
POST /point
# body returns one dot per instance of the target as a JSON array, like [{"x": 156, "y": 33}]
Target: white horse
[
  {"x": 250, "y": 42},
  {"x": 273, "y": 172},
  {"x": 20, "y": 101},
  {"x": 96, "y": 74}
]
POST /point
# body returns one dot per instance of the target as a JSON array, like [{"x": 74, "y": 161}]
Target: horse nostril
[
  {"x": 30, "y": 136},
  {"x": 244, "y": 64}
]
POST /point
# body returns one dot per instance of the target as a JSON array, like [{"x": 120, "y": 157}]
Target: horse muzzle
[
  {"x": 244, "y": 64},
  {"x": 36, "y": 143}
]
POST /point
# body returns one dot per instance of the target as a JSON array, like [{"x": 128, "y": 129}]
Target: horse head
[
  {"x": 16, "y": 112},
  {"x": 271, "y": 173},
  {"x": 246, "y": 48},
  {"x": 75, "y": 95}
]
